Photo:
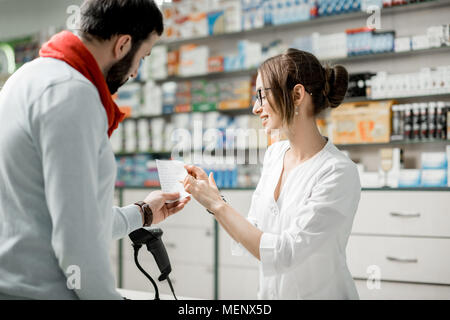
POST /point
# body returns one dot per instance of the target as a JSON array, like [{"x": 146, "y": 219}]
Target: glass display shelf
[{"x": 387, "y": 144}]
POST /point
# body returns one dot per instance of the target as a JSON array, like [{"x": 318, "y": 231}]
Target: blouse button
[{"x": 273, "y": 209}]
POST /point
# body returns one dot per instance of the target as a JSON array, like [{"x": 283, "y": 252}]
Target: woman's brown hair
[{"x": 327, "y": 85}]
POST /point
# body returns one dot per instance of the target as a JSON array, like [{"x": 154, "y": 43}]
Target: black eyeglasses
[{"x": 259, "y": 96}]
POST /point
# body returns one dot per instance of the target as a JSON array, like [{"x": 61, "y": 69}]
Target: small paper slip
[{"x": 170, "y": 173}]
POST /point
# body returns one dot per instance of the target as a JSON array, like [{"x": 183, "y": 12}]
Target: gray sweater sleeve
[{"x": 69, "y": 139}]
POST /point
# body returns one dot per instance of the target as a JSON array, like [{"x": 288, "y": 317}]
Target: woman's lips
[{"x": 264, "y": 120}]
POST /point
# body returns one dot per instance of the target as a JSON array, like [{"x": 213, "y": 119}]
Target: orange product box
[
  {"x": 215, "y": 64},
  {"x": 234, "y": 104},
  {"x": 362, "y": 122},
  {"x": 181, "y": 108},
  {"x": 173, "y": 61}
]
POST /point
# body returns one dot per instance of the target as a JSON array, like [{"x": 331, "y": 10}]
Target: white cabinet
[
  {"x": 238, "y": 275},
  {"x": 402, "y": 237},
  {"x": 194, "y": 281},
  {"x": 189, "y": 240},
  {"x": 406, "y": 213},
  {"x": 410, "y": 259},
  {"x": 402, "y": 291},
  {"x": 238, "y": 283}
]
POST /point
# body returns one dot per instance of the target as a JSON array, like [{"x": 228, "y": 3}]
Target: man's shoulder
[{"x": 43, "y": 73}]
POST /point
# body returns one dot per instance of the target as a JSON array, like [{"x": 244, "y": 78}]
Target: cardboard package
[{"x": 362, "y": 122}]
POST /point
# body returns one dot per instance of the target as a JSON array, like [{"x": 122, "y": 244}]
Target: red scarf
[{"x": 67, "y": 47}]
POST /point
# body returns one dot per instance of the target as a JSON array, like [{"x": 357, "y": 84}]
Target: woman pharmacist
[{"x": 302, "y": 210}]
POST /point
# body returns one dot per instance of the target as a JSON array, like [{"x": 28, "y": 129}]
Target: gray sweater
[{"x": 57, "y": 173}]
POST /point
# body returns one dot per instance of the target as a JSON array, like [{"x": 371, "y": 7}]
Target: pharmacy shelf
[
  {"x": 210, "y": 76},
  {"x": 446, "y": 189},
  {"x": 391, "y": 55},
  {"x": 234, "y": 112},
  {"x": 401, "y": 9},
  {"x": 396, "y": 143},
  {"x": 166, "y": 154},
  {"x": 400, "y": 99},
  {"x": 248, "y": 111},
  {"x": 253, "y": 71}
]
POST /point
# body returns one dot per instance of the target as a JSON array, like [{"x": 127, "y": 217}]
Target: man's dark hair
[{"x": 103, "y": 19}]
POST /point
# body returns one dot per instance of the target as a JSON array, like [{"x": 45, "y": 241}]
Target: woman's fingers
[
  {"x": 196, "y": 172},
  {"x": 176, "y": 209},
  {"x": 171, "y": 196}
]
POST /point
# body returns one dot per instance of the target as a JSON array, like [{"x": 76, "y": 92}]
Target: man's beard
[{"x": 117, "y": 74}]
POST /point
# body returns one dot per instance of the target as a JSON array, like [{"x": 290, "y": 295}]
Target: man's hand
[{"x": 161, "y": 210}]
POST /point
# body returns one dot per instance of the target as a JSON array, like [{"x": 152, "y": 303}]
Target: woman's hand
[
  {"x": 203, "y": 188},
  {"x": 161, "y": 210}
]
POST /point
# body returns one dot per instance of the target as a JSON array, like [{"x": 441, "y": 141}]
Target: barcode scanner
[{"x": 152, "y": 239}]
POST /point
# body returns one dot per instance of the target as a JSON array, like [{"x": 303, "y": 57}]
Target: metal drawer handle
[
  {"x": 405, "y": 215},
  {"x": 406, "y": 260}
]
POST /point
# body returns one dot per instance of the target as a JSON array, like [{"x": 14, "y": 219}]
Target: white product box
[
  {"x": 116, "y": 139},
  {"x": 434, "y": 178},
  {"x": 130, "y": 136},
  {"x": 155, "y": 66},
  {"x": 409, "y": 178},
  {"x": 194, "y": 61},
  {"x": 420, "y": 42},
  {"x": 448, "y": 167},
  {"x": 402, "y": 44},
  {"x": 143, "y": 132},
  {"x": 152, "y": 99},
  {"x": 434, "y": 160},
  {"x": 233, "y": 15},
  {"x": 370, "y": 180}
]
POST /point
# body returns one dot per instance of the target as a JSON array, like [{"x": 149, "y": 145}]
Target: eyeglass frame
[{"x": 259, "y": 96}]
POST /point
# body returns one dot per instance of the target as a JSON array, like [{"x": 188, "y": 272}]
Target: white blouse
[{"x": 305, "y": 232}]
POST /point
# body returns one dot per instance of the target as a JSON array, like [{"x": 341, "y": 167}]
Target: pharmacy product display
[
  {"x": 186, "y": 19},
  {"x": 432, "y": 171}
]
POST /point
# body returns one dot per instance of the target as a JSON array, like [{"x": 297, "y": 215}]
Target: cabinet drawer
[
  {"x": 188, "y": 280},
  {"x": 400, "y": 259},
  {"x": 403, "y": 213},
  {"x": 402, "y": 291},
  {"x": 191, "y": 245}
]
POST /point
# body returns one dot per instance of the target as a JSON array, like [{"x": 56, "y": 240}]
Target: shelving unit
[
  {"x": 343, "y": 60},
  {"x": 410, "y": 8},
  {"x": 372, "y": 198}
]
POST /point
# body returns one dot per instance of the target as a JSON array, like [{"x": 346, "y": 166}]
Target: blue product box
[
  {"x": 216, "y": 22},
  {"x": 219, "y": 176},
  {"x": 409, "y": 178},
  {"x": 168, "y": 109},
  {"x": 434, "y": 160},
  {"x": 434, "y": 178}
]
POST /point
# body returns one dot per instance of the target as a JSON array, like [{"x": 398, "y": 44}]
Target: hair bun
[{"x": 336, "y": 84}]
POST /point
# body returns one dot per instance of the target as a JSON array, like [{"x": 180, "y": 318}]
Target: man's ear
[
  {"x": 299, "y": 94},
  {"x": 122, "y": 46}
]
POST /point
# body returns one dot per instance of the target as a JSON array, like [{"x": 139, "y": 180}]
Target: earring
[{"x": 296, "y": 111}]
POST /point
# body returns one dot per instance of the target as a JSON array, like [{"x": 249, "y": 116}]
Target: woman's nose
[{"x": 256, "y": 108}]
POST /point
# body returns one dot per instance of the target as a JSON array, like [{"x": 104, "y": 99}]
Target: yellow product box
[
  {"x": 362, "y": 122},
  {"x": 234, "y": 104}
]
